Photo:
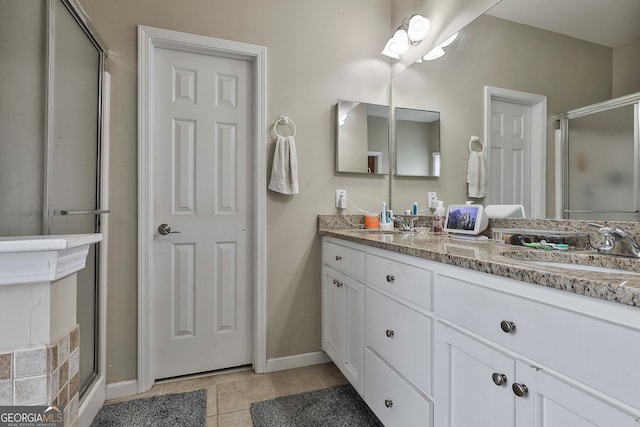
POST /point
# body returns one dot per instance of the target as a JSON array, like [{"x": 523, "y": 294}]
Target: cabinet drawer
[
  {"x": 573, "y": 343},
  {"x": 408, "y": 282},
  {"x": 402, "y": 336},
  {"x": 347, "y": 260},
  {"x": 391, "y": 398}
]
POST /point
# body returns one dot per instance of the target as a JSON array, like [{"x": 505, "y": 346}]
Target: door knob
[{"x": 165, "y": 229}]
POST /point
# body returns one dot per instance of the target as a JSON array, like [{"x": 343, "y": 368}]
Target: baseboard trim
[
  {"x": 122, "y": 389},
  {"x": 297, "y": 361}
]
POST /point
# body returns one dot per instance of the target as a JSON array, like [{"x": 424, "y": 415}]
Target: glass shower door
[{"x": 73, "y": 160}]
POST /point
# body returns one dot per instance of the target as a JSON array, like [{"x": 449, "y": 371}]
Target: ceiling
[{"x": 607, "y": 22}]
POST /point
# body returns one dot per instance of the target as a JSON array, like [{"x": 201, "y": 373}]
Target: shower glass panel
[
  {"x": 602, "y": 165},
  {"x": 73, "y": 163}
]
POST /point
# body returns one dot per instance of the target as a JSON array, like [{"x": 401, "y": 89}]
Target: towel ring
[
  {"x": 479, "y": 141},
  {"x": 286, "y": 121}
]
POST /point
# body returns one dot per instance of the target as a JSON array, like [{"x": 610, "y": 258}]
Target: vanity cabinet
[
  {"x": 343, "y": 310},
  {"x": 430, "y": 344},
  {"x": 399, "y": 341},
  {"x": 506, "y": 359}
]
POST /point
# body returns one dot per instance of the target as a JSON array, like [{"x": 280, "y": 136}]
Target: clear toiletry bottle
[{"x": 438, "y": 218}]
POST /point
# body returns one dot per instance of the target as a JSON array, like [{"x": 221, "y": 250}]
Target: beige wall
[
  {"x": 495, "y": 52},
  {"x": 22, "y": 38},
  {"x": 626, "y": 68},
  {"x": 317, "y": 52}
]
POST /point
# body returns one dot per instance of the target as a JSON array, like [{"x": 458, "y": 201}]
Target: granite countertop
[{"x": 511, "y": 261}]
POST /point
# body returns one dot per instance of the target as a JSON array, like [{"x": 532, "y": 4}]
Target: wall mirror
[
  {"x": 362, "y": 137},
  {"x": 417, "y": 142},
  {"x": 519, "y": 46}
]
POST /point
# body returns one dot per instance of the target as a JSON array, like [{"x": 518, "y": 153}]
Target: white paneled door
[
  {"x": 510, "y": 155},
  {"x": 203, "y": 301}
]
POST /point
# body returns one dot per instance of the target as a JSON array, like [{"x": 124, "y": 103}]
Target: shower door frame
[
  {"x": 93, "y": 396},
  {"x": 562, "y": 181}
]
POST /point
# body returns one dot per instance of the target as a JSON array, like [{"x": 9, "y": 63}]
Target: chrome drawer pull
[
  {"x": 390, "y": 333},
  {"x": 499, "y": 379},
  {"x": 507, "y": 327},
  {"x": 338, "y": 258},
  {"x": 520, "y": 390},
  {"x": 388, "y": 403},
  {"x": 390, "y": 278}
]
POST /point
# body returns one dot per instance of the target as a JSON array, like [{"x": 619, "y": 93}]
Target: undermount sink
[
  {"x": 581, "y": 267},
  {"x": 581, "y": 261}
]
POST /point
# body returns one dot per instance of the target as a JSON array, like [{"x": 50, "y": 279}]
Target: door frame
[
  {"x": 149, "y": 39},
  {"x": 538, "y": 104}
]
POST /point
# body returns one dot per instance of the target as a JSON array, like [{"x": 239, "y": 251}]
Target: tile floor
[{"x": 229, "y": 394}]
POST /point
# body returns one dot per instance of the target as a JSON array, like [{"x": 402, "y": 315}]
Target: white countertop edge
[{"x": 16, "y": 244}]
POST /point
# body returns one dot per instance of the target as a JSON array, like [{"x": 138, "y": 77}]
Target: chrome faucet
[
  {"x": 617, "y": 242},
  {"x": 403, "y": 225}
]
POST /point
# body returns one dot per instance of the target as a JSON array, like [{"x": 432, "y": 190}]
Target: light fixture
[
  {"x": 435, "y": 53},
  {"x": 448, "y": 41},
  {"x": 438, "y": 51},
  {"x": 398, "y": 44},
  {"x": 419, "y": 27},
  {"x": 410, "y": 33}
]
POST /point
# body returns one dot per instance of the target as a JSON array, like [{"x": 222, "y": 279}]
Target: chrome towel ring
[{"x": 284, "y": 120}]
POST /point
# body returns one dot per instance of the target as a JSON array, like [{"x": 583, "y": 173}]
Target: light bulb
[
  {"x": 419, "y": 27},
  {"x": 435, "y": 53},
  {"x": 448, "y": 41},
  {"x": 387, "y": 52},
  {"x": 399, "y": 43}
]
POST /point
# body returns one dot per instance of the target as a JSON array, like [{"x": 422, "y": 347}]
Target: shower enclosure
[{"x": 597, "y": 155}]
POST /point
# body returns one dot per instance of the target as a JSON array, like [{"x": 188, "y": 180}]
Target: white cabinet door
[
  {"x": 552, "y": 402},
  {"x": 342, "y": 329},
  {"x": 473, "y": 382}
]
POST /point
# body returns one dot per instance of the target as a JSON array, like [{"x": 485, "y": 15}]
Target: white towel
[
  {"x": 284, "y": 173},
  {"x": 476, "y": 179}
]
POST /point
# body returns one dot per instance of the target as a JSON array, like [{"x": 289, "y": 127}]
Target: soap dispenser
[{"x": 438, "y": 218}]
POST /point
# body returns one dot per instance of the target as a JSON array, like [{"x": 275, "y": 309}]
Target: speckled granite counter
[{"x": 507, "y": 261}]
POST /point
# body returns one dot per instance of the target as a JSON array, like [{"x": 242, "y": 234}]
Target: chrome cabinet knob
[
  {"x": 390, "y": 333},
  {"x": 520, "y": 390},
  {"x": 165, "y": 229},
  {"x": 339, "y": 283},
  {"x": 499, "y": 379},
  {"x": 338, "y": 258},
  {"x": 388, "y": 403},
  {"x": 507, "y": 327},
  {"x": 390, "y": 278}
]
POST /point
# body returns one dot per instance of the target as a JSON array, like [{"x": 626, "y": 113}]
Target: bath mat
[
  {"x": 181, "y": 409},
  {"x": 330, "y": 407}
]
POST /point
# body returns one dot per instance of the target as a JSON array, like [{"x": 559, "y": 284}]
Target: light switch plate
[{"x": 432, "y": 196}]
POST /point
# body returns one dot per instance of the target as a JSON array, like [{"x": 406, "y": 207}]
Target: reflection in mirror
[
  {"x": 362, "y": 138},
  {"x": 510, "y": 54},
  {"x": 417, "y": 142}
]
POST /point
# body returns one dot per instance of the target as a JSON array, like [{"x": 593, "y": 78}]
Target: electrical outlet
[
  {"x": 341, "y": 199},
  {"x": 432, "y": 196}
]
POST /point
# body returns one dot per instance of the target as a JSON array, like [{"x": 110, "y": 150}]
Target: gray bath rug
[
  {"x": 168, "y": 410},
  {"x": 330, "y": 407}
]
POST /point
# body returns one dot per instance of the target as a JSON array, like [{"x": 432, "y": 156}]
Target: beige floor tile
[
  {"x": 235, "y": 419},
  {"x": 329, "y": 375},
  {"x": 179, "y": 386},
  {"x": 155, "y": 391},
  {"x": 212, "y": 421},
  {"x": 238, "y": 395},
  {"x": 295, "y": 381},
  {"x": 238, "y": 375},
  {"x": 212, "y": 400}
]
